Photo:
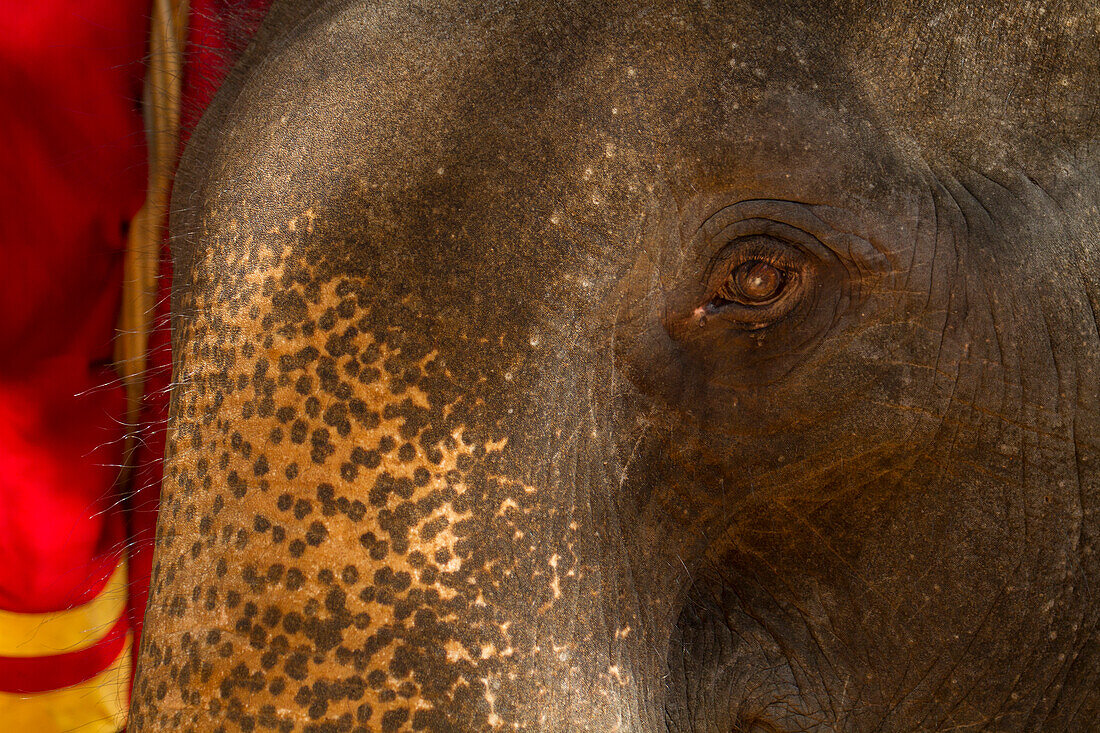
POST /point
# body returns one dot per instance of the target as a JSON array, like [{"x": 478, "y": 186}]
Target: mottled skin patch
[{"x": 462, "y": 442}]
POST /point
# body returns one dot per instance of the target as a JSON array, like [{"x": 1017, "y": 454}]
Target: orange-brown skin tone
[{"x": 601, "y": 367}]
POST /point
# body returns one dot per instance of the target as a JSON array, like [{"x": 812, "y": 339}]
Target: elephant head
[{"x": 649, "y": 367}]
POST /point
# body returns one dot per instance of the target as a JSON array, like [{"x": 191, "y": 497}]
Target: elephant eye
[
  {"x": 758, "y": 282},
  {"x": 753, "y": 283}
]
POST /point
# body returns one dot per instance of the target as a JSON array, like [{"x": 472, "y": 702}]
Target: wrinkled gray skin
[{"x": 471, "y": 433}]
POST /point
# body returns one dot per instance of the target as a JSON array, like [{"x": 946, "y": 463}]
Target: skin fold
[{"x": 656, "y": 368}]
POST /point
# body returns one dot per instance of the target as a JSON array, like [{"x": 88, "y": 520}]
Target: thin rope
[{"x": 161, "y": 101}]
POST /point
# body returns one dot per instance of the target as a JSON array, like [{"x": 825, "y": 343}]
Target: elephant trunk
[{"x": 375, "y": 566}]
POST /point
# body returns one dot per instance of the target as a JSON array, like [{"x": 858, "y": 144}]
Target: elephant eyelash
[{"x": 749, "y": 248}]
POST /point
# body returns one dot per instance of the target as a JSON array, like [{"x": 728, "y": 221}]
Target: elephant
[{"x": 654, "y": 367}]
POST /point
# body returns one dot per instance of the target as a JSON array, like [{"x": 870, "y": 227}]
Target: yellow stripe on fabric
[
  {"x": 98, "y": 705},
  {"x": 44, "y": 634}
]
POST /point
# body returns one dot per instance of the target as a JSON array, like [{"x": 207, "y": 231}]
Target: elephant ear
[{"x": 979, "y": 79}]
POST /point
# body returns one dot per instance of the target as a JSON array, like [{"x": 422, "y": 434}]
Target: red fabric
[
  {"x": 24, "y": 675},
  {"x": 73, "y": 176}
]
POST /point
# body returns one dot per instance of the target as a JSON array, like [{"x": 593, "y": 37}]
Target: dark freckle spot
[
  {"x": 298, "y": 431},
  {"x": 304, "y": 385},
  {"x": 369, "y": 375},
  {"x": 225, "y": 651},
  {"x": 350, "y": 575},
  {"x": 367, "y": 458},
  {"x": 269, "y": 659},
  {"x": 285, "y": 414},
  {"x": 232, "y": 599},
  {"x": 380, "y": 492},
  {"x": 361, "y": 620},
  {"x": 363, "y": 713},
  {"x": 304, "y": 695},
  {"x": 260, "y": 468},
  {"x": 429, "y": 531},
  {"x": 205, "y": 525},
  {"x": 219, "y": 502},
  {"x": 252, "y": 579},
  {"x": 257, "y": 639},
  {"x": 394, "y": 719},
  {"x": 296, "y": 548},
  {"x": 276, "y": 436},
  {"x": 337, "y": 416},
  {"x": 376, "y": 679},
  {"x": 278, "y": 684},
  {"x": 236, "y": 484},
  {"x": 442, "y": 556},
  {"x": 296, "y": 666},
  {"x": 326, "y": 576},
  {"x": 348, "y": 471},
  {"x": 196, "y": 548},
  {"x": 274, "y": 572},
  {"x": 311, "y": 607},
  {"x": 291, "y": 471},
  {"x": 278, "y": 534},
  {"x": 292, "y": 622},
  {"x": 387, "y": 443},
  {"x": 284, "y": 502},
  {"x": 424, "y": 618},
  {"x": 356, "y": 510},
  {"x": 260, "y": 524},
  {"x": 379, "y": 550},
  {"x": 295, "y": 579},
  {"x": 421, "y": 476},
  {"x": 322, "y": 447},
  {"x": 221, "y": 568},
  {"x": 362, "y": 414},
  {"x": 316, "y": 534},
  {"x": 317, "y": 709},
  {"x": 407, "y": 453},
  {"x": 302, "y": 508},
  {"x": 334, "y": 602},
  {"x": 367, "y": 594},
  {"x": 271, "y": 616},
  {"x": 429, "y": 575},
  {"x": 313, "y": 406}
]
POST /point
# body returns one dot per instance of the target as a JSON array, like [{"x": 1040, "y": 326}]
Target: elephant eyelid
[{"x": 764, "y": 248}]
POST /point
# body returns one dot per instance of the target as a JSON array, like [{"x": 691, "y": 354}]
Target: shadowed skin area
[{"x": 651, "y": 368}]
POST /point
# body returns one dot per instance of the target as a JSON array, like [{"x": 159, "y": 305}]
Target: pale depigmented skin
[{"x": 461, "y": 443}]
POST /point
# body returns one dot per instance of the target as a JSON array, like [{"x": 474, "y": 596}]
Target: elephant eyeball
[{"x": 754, "y": 282}]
